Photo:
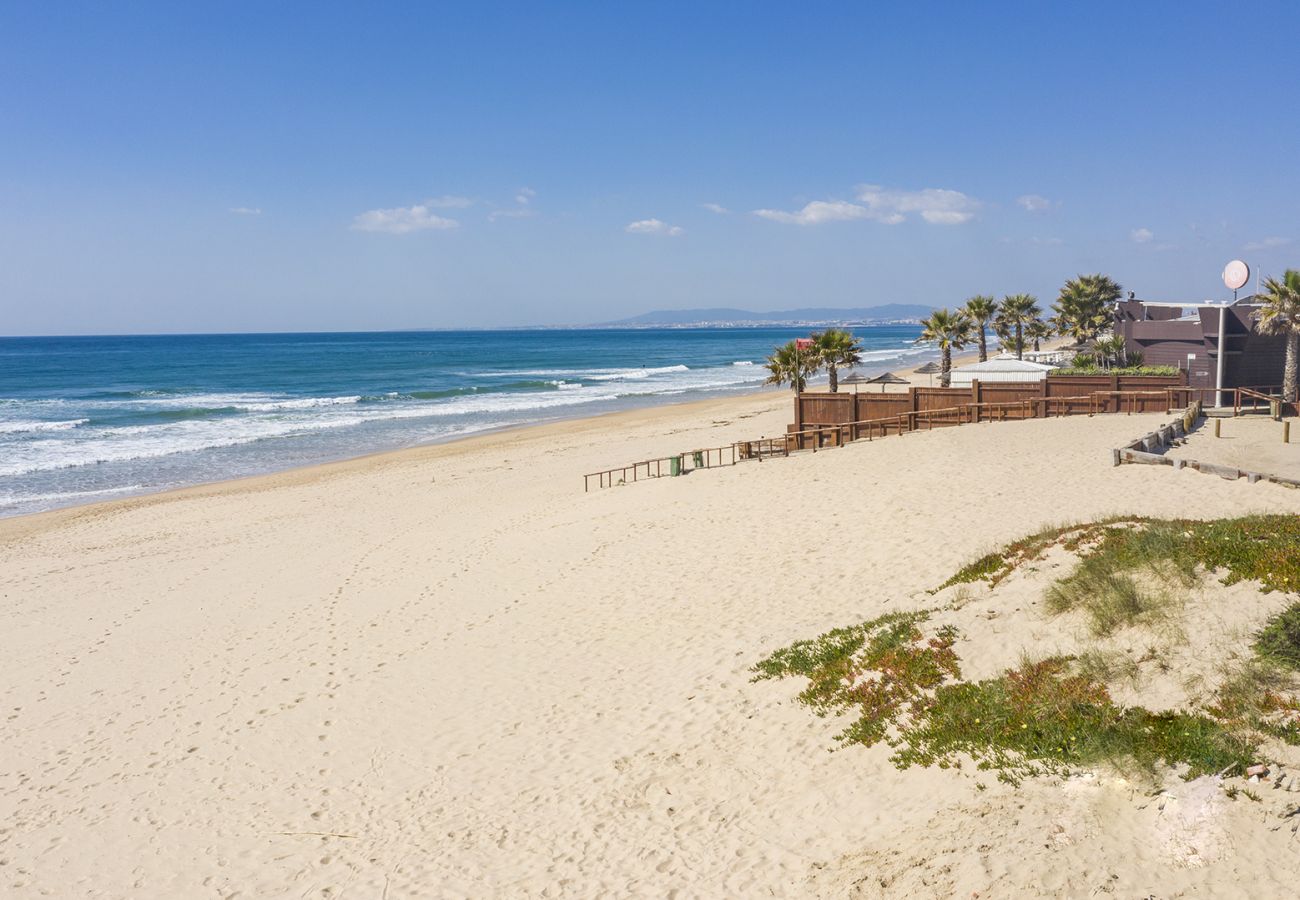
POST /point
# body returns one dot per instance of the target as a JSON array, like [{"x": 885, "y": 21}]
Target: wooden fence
[
  {"x": 1066, "y": 394},
  {"x": 918, "y": 410}
]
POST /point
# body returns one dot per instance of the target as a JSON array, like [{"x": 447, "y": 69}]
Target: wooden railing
[
  {"x": 703, "y": 458},
  {"x": 818, "y": 437},
  {"x": 1240, "y": 395}
]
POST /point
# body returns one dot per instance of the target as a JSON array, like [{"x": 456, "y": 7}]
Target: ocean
[{"x": 92, "y": 418}]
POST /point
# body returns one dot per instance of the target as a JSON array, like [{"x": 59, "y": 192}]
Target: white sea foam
[
  {"x": 20, "y": 426},
  {"x": 299, "y": 403},
  {"x": 58, "y": 498},
  {"x": 897, "y": 353},
  {"x": 305, "y": 416},
  {"x": 600, "y": 374}
]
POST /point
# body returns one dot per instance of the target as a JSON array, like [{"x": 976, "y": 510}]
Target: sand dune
[{"x": 448, "y": 672}]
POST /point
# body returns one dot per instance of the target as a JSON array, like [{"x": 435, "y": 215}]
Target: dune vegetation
[{"x": 899, "y": 676}]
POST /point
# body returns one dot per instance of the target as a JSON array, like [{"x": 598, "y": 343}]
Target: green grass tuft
[
  {"x": 982, "y": 569},
  {"x": 1279, "y": 640},
  {"x": 1106, "y": 581},
  {"x": 1264, "y": 548}
]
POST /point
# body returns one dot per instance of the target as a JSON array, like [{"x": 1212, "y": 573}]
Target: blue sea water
[{"x": 91, "y": 418}]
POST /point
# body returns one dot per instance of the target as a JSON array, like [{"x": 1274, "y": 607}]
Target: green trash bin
[{"x": 674, "y": 465}]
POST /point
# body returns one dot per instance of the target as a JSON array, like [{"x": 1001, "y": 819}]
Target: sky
[{"x": 310, "y": 167}]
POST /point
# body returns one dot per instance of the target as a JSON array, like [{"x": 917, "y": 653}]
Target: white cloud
[
  {"x": 401, "y": 220},
  {"x": 715, "y": 208},
  {"x": 245, "y": 211},
  {"x": 817, "y": 212},
  {"x": 1034, "y": 203},
  {"x": 1141, "y": 235},
  {"x": 936, "y": 206},
  {"x": 450, "y": 201},
  {"x": 525, "y": 196},
  {"x": 1268, "y": 243},
  {"x": 653, "y": 226},
  {"x": 1046, "y": 241}
]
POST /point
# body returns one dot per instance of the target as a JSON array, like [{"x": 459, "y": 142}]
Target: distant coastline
[
  {"x": 746, "y": 323},
  {"x": 816, "y": 316}
]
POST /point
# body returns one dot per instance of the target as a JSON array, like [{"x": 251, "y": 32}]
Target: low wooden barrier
[
  {"x": 1143, "y": 449},
  {"x": 703, "y": 458}
]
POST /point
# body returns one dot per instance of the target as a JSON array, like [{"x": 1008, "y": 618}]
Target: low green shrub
[
  {"x": 1040, "y": 717},
  {"x": 905, "y": 690},
  {"x": 1084, "y": 368}
]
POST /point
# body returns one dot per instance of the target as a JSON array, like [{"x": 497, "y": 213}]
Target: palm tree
[
  {"x": 1110, "y": 350},
  {"x": 1083, "y": 308},
  {"x": 1038, "y": 331},
  {"x": 951, "y": 331},
  {"x": 836, "y": 347},
  {"x": 1018, "y": 310},
  {"x": 1280, "y": 314},
  {"x": 1006, "y": 334},
  {"x": 790, "y": 365},
  {"x": 981, "y": 310}
]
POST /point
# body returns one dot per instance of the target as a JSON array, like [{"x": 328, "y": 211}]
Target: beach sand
[
  {"x": 448, "y": 672},
  {"x": 1253, "y": 443}
]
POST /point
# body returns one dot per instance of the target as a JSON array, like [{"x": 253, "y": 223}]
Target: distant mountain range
[{"x": 889, "y": 312}]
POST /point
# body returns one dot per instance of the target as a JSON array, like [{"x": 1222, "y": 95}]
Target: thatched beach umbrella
[
  {"x": 885, "y": 378},
  {"x": 855, "y": 378},
  {"x": 930, "y": 368}
]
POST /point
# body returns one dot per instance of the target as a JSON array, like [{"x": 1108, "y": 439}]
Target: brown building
[{"x": 1187, "y": 336}]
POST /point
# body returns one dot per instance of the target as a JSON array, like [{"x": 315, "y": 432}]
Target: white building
[{"x": 1000, "y": 369}]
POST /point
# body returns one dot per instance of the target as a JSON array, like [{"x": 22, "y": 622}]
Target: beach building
[
  {"x": 1000, "y": 368},
  {"x": 1061, "y": 356},
  {"x": 1189, "y": 334}
]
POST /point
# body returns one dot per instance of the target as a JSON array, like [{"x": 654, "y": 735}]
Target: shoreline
[
  {"x": 324, "y": 467},
  {"x": 15, "y": 526}
]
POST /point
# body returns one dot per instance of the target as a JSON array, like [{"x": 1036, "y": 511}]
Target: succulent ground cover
[{"x": 900, "y": 680}]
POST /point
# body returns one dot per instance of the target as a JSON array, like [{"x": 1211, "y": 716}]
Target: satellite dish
[{"x": 1236, "y": 274}]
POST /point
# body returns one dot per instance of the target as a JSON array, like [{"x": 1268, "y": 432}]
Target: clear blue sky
[{"x": 330, "y": 166}]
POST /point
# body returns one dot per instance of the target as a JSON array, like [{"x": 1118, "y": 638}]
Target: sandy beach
[{"x": 448, "y": 672}]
